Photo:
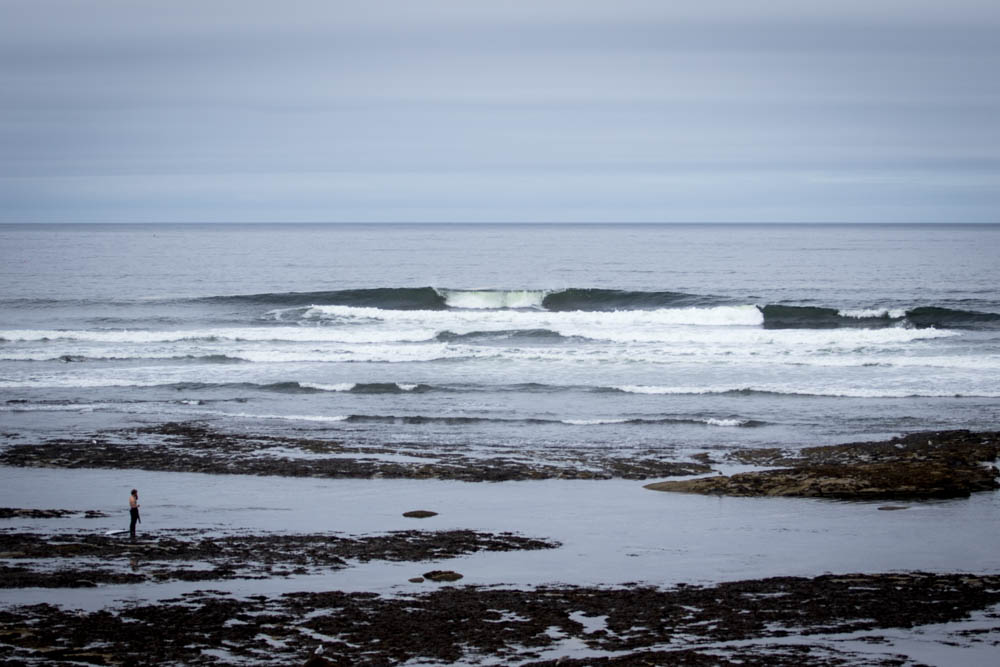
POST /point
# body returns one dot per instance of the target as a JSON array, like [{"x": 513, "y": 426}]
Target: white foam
[
  {"x": 493, "y": 299},
  {"x": 819, "y": 389},
  {"x": 866, "y": 313},
  {"x": 349, "y": 386},
  {"x": 343, "y": 386},
  {"x": 592, "y": 422},
  {"x": 733, "y": 324},
  {"x": 707, "y": 351},
  {"x": 736, "y": 325},
  {"x": 292, "y": 333},
  {"x": 373, "y": 354},
  {"x": 712, "y": 421},
  {"x": 641, "y": 389},
  {"x": 306, "y": 418},
  {"x": 620, "y": 326},
  {"x": 73, "y": 407}
]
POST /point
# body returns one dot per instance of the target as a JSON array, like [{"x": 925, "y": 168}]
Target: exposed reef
[
  {"x": 943, "y": 464},
  {"x": 782, "y": 621},
  {"x": 85, "y": 560},
  {"x": 193, "y": 447}
]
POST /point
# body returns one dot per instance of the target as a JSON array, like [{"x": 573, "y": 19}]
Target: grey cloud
[{"x": 457, "y": 110}]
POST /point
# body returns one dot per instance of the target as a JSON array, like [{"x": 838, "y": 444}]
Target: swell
[
  {"x": 778, "y": 316},
  {"x": 430, "y": 298},
  {"x": 931, "y": 316},
  {"x": 387, "y": 298},
  {"x": 293, "y": 387},
  {"x": 417, "y": 420},
  {"x": 546, "y": 335},
  {"x": 400, "y": 388},
  {"x": 775, "y": 316},
  {"x": 80, "y": 358},
  {"x": 605, "y": 299},
  {"x": 573, "y": 299}
]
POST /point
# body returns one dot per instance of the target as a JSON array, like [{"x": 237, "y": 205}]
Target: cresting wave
[
  {"x": 356, "y": 305},
  {"x": 810, "y": 317},
  {"x": 432, "y": 298},
  {"x": 197, "y": 390},
  {"x": 773, "y": 316}
]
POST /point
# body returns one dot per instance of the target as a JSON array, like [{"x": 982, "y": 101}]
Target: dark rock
[
  {"x": 416, "y": 580},
  {"x": 194, "y": 447},
  {"x": 925, "y": 465},
  {"x": 224, "y": 558},
  {"x": 737, "y": 622},
  {"x": 419, "y": 514},
  {"x": 19, "y": 513},
  {"x": 442, "y": 575}
]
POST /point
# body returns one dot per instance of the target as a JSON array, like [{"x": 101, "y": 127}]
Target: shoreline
[
  {"x": 928, "y": 464},
  {"x": 194, "y": 447},
  {"x": 580, "y": 571}
]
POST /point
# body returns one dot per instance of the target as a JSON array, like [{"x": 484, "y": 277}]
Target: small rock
[
  {"x": 419, "y": 514},
  {"x": 892, "y": 508},
  {"x": 316, "y": 661},
  {"x": 416, "y": 580},
  {"x": 442, "y": 575}
]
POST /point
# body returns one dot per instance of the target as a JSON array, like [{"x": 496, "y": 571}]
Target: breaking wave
[
  {"x": 285, "y": 307},
  {"x": 431, "y": 298},
  {"x": 774, "y": 316},
  {"x": 813, "y": 317}
]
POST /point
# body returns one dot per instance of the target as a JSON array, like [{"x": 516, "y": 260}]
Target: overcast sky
[{"x": 466, "y": 110}]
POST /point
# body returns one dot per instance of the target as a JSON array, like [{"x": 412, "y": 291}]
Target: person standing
[{"x": 133, "y": 510}]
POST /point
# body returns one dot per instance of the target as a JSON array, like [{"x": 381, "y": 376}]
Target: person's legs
[{"x": 131, "y": 528}]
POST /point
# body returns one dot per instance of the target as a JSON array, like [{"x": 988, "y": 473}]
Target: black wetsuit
[{"x": 134, "y": 513}]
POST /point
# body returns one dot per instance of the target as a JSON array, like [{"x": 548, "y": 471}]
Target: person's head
[{"x": 134, "y": 492}]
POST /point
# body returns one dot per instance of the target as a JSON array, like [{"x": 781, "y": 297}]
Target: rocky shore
[
  {"x": 780, "y": 621},
  {"x": 431, "y": 617},
  {"x": 944, "y": 464},
  {"x": 193, "y": 447},
  {"x": 85, "y": 560}
]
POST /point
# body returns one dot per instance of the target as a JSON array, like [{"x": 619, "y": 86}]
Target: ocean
[
  {"x": 284, "y": 396},
  {"x": 667, "y": 339}
]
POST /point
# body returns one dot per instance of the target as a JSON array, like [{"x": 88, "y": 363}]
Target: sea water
[
  {"x": 667, "y": 339},
  {"x": 663, "y": 337}
]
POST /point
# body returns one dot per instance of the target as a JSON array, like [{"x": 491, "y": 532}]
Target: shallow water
[{"x": 612, "y": 532}]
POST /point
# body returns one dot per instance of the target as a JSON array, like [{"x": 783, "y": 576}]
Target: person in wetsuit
[{"x": 133, "y": 510}]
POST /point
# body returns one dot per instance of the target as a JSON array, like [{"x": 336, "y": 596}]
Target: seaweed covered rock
[{"x": 949, "y": 464}]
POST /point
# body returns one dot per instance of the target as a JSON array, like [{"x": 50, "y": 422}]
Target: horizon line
[{"x": 490, "y": 222}]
